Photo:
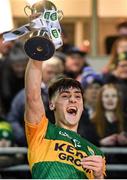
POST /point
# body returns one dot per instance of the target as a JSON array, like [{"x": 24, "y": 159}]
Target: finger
[
  {"x": 95, "y": 169},
  {"x": 93, "y": 158},
  {"x": 94, "y": 164},
  {"x": 98, "y": 173}
]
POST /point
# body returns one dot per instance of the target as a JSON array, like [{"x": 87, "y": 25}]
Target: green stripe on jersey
[{"x": 56, "y": 170}]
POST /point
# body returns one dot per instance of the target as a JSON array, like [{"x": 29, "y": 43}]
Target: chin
[
  {"x": 72, "y": 124},
  {"x": 111, "y": 108},
  {"x": 72, "y": 120}
]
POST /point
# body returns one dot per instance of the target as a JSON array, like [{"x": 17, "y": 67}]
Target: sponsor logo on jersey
[
  {"x": 74, "y": 141},
  {"x": 68, "y": 154},
  {"x": 90, "y": 150}
]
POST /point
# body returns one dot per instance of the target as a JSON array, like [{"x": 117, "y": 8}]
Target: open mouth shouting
[{"x": 72, "y": 110}]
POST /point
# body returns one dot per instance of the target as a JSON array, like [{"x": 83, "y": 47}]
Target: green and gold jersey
[{"x": 56, "y": 153}]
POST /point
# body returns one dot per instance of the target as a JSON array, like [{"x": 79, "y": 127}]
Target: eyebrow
[{"x": 66, "y": 91}]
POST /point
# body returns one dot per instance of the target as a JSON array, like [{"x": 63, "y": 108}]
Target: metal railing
[
  {"x": 23, "y": 150},
  {"x": 114, "y": 150},
  {"x": 12, "y": 150}
]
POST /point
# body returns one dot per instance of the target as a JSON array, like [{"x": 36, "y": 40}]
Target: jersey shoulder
[{"x": 91, "y": 148}]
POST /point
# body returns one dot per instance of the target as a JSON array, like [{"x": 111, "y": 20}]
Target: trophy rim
[{"x": 53, "y": 46}]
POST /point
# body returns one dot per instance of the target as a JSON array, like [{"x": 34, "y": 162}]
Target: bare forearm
[
  {"x": 34, "y": 105},
  {"x": 33, "y": 76}
]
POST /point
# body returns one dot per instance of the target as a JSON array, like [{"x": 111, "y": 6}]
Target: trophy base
[{"x": 39, "y": 48}]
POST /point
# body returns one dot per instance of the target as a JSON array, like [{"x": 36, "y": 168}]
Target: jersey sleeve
[{"x": 35, "y": 133}]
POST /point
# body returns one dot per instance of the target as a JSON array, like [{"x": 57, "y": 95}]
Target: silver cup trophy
[{"x": 43, "y": 32}]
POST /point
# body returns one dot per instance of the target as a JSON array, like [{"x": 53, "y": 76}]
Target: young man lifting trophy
[{"x": 54, "y": 151}]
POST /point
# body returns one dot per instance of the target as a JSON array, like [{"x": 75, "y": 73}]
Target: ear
[{"x": 51, "y": 106}]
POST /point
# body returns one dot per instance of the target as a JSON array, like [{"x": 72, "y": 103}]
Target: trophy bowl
[
  {"x": 41, "y": 43},
  {"x": 39, "y": 48}
]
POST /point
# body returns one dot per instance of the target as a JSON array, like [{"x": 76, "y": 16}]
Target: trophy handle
[
  {"x": 26, "y": 8},
  {"x": 60, "y": 14}
]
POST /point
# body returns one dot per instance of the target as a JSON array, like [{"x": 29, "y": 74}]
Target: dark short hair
[
  {"x": 62, "y": 83},
  {"x": 74, "y": 50}
]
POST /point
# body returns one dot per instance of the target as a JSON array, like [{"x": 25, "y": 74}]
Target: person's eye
[
  {"x": 106, "y": 96},
  {"x": 64, "y": 96},
  {"x": 78, "y": 97}
]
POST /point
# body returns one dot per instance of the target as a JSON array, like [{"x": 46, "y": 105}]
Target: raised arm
[{"x": 34, "y": 108}]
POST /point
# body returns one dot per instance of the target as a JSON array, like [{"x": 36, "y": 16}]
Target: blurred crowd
[{"x": 104, "y": 120}]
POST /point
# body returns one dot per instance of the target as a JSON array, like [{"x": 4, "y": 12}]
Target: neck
[
  {"x": 110, "y": 116},
  {"x": 68, "y": 127},
  {"x": 109, "y": 112}
]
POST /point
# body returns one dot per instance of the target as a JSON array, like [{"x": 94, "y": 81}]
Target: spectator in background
[
  {"x": 13, "y": 75},
  {"x": 6, "y": 134},
  {"x": 7, "y": 140},
  {"x": 121, "y": 29},
  {"x": 91, "y": 83},
  {"x": 60, "y": 56},
  {"x": 16, "y": 118},
  {"x": 4, "y": 50},
  {"x": 74, "y": 63},
  {"x": 109, "y": 118},
  {"x": 120, "y": 66},
  {"x": 5, "y": 47},
  {"x": 51, "y": 68},
  {"x": 119, "y": 46},
  {"x": 118, "y": 76},
  {"x": 110, "y": 125}
]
